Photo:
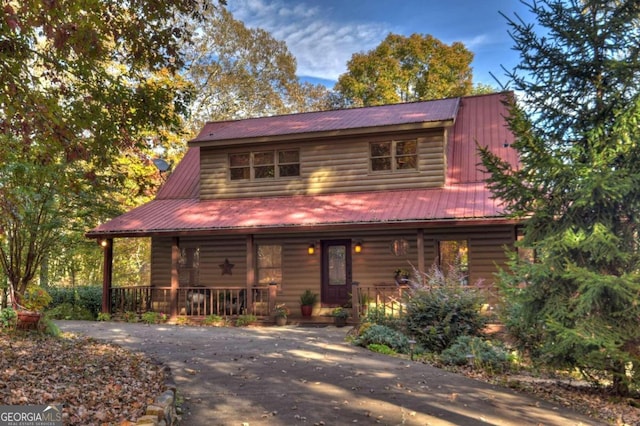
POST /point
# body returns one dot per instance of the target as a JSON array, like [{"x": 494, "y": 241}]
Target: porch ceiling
[{"x": 457, "y": 202}]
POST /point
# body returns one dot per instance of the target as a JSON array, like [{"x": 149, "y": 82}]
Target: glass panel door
[{"x": 336, "y": 271}]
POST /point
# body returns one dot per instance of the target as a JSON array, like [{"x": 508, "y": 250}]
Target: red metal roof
[
  {"x": 327, "y": 121},
  {"x": 184, "y": 181},
  {"x": 465, "y": 197},
  {"x": 453, "y": 202},
  {"x": 480, "y": 121}
]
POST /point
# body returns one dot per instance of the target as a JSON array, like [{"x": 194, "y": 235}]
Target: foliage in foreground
[
  {"x": 576, "y": 133},
  {"x": 480, "y": 353},
  {"x": 383, "y": 335},
  {"x": 82, "y": 83},
  {"x": 443, "y": 309}
]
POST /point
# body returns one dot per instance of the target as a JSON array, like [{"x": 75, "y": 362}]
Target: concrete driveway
[{"x": 295, "y": 375}]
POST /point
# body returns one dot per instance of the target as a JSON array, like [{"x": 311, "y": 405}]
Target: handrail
[
  {"x": 388, "y": 297},
  {"x": 193, "y": 301}
]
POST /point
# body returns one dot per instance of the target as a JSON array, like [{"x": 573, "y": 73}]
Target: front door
[{"x": 336, "y": 271}]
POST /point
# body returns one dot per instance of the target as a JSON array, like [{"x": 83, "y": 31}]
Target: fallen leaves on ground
[
  {"x": 96, "y": 383},
  {"x": 595, "y": 402}
]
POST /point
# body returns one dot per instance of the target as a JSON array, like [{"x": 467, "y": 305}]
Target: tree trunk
[{"x": 620, "y": 381}]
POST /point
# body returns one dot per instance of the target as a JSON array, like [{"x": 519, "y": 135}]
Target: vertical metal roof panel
[
  {"x": 184, "y": 181},
  {"x": 327, "y": 121},
  {"x": 480, "y": 120}
]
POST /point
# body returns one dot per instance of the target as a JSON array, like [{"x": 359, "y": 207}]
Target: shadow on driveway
[{"x": 290, "y": 375}]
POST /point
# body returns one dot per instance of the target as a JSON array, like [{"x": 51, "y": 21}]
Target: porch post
[
  {"x": 420, "y": 245},
  {"x": 107, "y": 273},
  {"x": 175, "y": 259},
  {"x": 355, "y": 301},
  {"x": 273, "y": 293},
  {"x": 251, "y": 272}
]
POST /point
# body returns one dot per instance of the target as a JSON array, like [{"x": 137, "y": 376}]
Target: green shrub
[
  {"x": 150, "y": 318},
  {"x": 48, "y": 327},
  {"x": 88, "y": 297},
  {"x": 444, "y": 309},
  {"x": 8, "y": 318},
  {"x": 68, "y": 311},
  {"x": 130, "y": 316},
  {"x": 475, "y": 351},
  {"x": 244, "y": 320},
  {"x": 378, "y": 315},
  {"x": 104, "y": 316},
  {"x": 213, "y": 319},
  {"x": 381, "y": 349},
  {"x": 383, "y": 335}
]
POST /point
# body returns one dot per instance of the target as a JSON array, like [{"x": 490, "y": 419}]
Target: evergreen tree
[{"x": 577, "y": 188}]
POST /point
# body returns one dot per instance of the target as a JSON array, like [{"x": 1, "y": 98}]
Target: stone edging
[{"x": 162, "y": 412}]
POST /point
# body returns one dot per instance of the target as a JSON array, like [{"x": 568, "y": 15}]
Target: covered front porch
[{"x": 230, "y": 302}]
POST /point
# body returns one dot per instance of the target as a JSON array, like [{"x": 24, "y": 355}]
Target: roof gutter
[{"x": 303, "y": 229}]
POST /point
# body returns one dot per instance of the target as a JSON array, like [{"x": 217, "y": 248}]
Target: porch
[{"x": 234, "y": 301}]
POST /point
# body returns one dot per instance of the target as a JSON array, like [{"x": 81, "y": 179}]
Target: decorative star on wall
[{"x": 226, "y": 267}]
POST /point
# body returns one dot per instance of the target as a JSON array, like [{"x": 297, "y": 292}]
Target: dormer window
[
  {"x": 264, "y": 165},
  {"x": 391, "y": 156}
]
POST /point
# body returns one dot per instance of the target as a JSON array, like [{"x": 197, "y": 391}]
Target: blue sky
[{"x": 323, "y": 34}]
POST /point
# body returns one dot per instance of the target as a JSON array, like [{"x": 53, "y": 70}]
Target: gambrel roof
[{"x": 464, "y": 199}]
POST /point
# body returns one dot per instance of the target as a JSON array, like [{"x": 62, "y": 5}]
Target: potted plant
[
  {"x": 30, "y": 306},
  {"x": 307, "y": 300},
  {"x": 340, "y": 316},
  {"x": 281, "y": 312},
  {"x": 401, "y": 276}
]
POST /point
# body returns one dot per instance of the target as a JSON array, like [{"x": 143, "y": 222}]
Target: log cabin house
[{"x": 261, "y": 209}]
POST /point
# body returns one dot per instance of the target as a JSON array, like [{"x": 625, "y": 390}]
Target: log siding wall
[
  {"x": 301, "y": 271},
  {"x": 325, "y": 167}
]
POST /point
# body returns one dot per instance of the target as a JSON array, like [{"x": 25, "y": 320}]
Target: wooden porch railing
[
  {"x": 385, "y": 297},
  {"x": 194, "y": 301}
]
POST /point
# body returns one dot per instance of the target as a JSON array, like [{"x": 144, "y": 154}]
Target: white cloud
[
  {"x": 321, "y": 43},
  {"x": 476, "y": 42}
]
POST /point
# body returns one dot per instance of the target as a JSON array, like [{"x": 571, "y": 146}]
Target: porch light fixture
[
  {"x": 103, "y": 243},
  {"x": 311, "y": 249},
  {"x": 358, "y": 247}
]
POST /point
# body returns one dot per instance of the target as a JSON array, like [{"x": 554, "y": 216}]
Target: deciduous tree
[
  {"x": 577, "y": 131},
  {"x": 405, "y": 69},
  {"x": 240, "y": 72},
  {"x": 82, "y": 82}
]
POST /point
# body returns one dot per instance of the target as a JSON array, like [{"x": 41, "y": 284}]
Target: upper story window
[
  {"x": 393, "y": 156},
  {"x": 264, "y": 164}
]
